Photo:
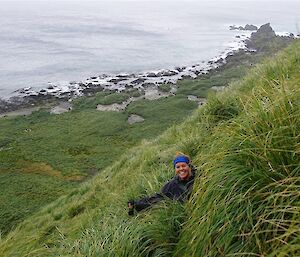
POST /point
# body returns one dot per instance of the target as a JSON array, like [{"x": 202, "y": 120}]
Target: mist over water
[{"x": 44, "y": 42}]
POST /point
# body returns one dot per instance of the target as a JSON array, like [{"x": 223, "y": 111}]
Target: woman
[{"x": 178, "y": 188}]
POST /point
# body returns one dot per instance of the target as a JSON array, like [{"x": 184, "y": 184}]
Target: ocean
[{"x": 63, "y": 41}]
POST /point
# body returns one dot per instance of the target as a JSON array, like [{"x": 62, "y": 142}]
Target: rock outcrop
[
  {"x": 250, "y": 27},
  {"x": 247, "y": 27},
  {"x": 61, "y": 108},
  {"x": 262, "y": 38},
  {"x": 133, "y": 118},
  {"x": 264, "y": 32}
]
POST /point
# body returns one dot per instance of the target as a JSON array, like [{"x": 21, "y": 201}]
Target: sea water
[{"x": 55, "y": 41}]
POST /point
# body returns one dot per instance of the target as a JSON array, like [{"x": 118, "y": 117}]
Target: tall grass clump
[
  {"x": 247, "y": 202},
  {"x": 93, "y": 220}
]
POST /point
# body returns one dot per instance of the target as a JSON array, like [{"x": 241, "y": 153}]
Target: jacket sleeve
[{"x": 147, "y": 201}]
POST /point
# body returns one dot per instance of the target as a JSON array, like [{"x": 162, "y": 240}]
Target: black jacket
[{"x": 175, "y": 189}]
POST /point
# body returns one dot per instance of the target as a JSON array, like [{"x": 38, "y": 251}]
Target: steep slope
[{"x": 245, "y": 142}]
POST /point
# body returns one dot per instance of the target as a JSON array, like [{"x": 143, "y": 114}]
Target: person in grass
[{"x": 178, "y": 188}]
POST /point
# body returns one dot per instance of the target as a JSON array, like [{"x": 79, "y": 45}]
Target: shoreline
[{"x": 27, "y": 97}]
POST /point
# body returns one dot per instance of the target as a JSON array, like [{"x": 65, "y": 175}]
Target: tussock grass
[
  {"x": 245, "y": 143},
  {"x": 247, "y": 201}
]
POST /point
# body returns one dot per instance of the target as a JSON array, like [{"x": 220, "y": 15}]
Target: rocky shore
[
  {"x": 29, "y": 97},
  {"x": 123, "y": 82}
]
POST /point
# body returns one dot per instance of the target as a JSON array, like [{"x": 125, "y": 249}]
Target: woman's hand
[{"x": 130, "y": 207}]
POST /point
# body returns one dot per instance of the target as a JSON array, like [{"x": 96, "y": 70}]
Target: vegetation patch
[
  {"x": 104, "y": 98},
  {"x": 38, "y": 168},
  {"x": 75, "y": 210},
  {"x": 22, "y": 195},
  {"x": 165, "y": 87}
]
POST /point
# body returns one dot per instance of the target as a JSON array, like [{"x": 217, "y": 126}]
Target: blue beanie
[{"x": 181, "y": 158}]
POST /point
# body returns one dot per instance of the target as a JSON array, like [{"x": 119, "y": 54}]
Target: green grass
[
  {"x": 22, "y": 194},
  {"x": 104, "y": 98},
  {"x": 245, "y": 143},
  {"x": 74, "y": 146},
  {"x": 202, "y": 86},
  {"x": 76, "y": 143}
]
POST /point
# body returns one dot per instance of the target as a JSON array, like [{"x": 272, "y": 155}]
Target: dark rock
[
  {"x": 116, "y": 80},
  {"x": 104, "y": 76},
  {"x": 247, "y": 27},
  {"x": 250, "y": 27},
  {"x": 65, "y": 95},
  {"x": 82, "y": 84},
  {"x": 291, "y": 35},
  {"x": 261, "y": 37},
  {"x": 128, "y": 86},
  {"x": 91, "y": 89},
  {"x": 148, "y": 84},
  {"x": 233, "y": 27},
  {"x": 166, "y": 73},
  {"x": 220, "y": 61},
  {"x": 180, "y": 69},
  {"x": 186, "y": 77},
  {"x": 3, "y": 106},
  {"x": 138, "y": 81},
  {"x": 152, "y": 75},
  {"x": 22, "y": 90},
  {"x": 44, "y": 96},
  {"x": 265, "y": 31}
]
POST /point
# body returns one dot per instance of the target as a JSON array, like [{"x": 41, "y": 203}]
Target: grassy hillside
[
  {"x": 245, "y": 143},
  {"x": 43, "y": 156}
]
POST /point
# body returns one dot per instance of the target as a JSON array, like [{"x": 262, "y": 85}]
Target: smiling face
[{"x": 183, "y": 170}]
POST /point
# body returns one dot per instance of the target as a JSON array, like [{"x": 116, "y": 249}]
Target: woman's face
[{"x": 183, "y": 170}]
